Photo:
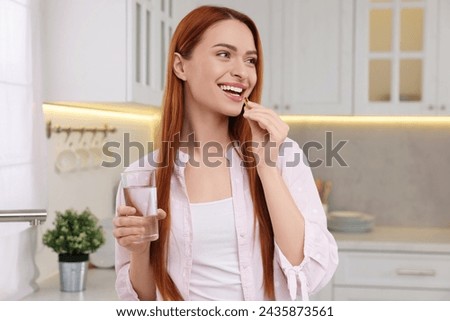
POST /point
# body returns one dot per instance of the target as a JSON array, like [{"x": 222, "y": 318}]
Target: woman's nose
[{"x": 239, "y": 70}]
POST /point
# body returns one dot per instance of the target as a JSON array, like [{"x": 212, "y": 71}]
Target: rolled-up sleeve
[{"x": 320, "y": 248}]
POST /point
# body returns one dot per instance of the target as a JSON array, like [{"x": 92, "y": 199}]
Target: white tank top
[{"x": 215, "y": 267}]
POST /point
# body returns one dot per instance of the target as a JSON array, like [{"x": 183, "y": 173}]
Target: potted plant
[{"x": 74, "y": 236}]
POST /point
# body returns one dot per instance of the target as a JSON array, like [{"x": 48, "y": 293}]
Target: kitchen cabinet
[
  {"x": 105, "y": 50},
  {"x": 307, "y": 53},
  {"x": 392, "y": 276},
  {"x": 312, "y": 55},
  {"x": 402, "y": 51},
  {"x": 391, "y": 263}
]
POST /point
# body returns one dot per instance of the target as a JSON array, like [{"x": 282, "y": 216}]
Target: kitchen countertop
[
  {"x": 397, "y": 239},
  {"x": 99, "y": 287}
]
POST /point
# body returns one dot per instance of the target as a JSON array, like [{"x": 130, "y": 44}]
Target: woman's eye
[
  {"x": 224, "y": 54},
  {"x": 252, "y": 61}
]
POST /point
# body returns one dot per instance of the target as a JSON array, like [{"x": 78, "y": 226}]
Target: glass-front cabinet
[{"x": 402, "y": 57}]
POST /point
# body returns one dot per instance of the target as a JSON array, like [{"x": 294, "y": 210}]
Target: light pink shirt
[{"x": 320, "y": 248}]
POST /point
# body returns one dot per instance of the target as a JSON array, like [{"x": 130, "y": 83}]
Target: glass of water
[{"x": 139, "y": 187}]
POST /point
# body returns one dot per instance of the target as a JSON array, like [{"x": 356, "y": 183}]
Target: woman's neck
[{"x": 207, "y": 127}]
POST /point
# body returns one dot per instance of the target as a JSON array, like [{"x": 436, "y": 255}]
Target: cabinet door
[
  {"x": 395, "y": 57},
  {"x": 317, "y": 57},
  {"x": 151, "y": 29},
  {"x": 392, "y": 269},
  {"x": 341, "y": 293},
  {"x": 106, "y": 50},
  {"x": 443, "y": 101},
  {"x": 84, "y": 50}
]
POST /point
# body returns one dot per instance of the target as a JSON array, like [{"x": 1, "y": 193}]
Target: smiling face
[{"x": 221, "y": 70}]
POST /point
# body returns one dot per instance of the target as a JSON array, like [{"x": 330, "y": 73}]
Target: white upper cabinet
[
  {"x": 325, "y": 57},
  {"x": 313, "y": 55},
  {"x": 442, "y": 105},
  {"x": 402, "y": 55},
  {"x": 105, "y": 50}
]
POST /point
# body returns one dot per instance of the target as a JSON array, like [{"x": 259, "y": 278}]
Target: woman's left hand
[{"x": 268, "y": 130}]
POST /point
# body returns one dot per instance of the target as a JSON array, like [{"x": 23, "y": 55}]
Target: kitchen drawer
[
  {"x": 401, "y": 270},
  {"x": 341, "y": 293}
]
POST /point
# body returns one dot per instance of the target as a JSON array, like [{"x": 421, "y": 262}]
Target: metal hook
[
  {"x": 82, "y": 130},
  {"x": 94, "y": 133},
  {"x": 49, "y": 129},
  {"x": 105, "y": 131},
  {"x": 67, "y": 130}
]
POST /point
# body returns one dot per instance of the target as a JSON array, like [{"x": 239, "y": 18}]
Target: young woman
[{"x": 240, "y": 217}]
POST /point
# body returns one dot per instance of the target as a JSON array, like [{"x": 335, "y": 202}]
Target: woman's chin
[{"x": 233, "y": 112}]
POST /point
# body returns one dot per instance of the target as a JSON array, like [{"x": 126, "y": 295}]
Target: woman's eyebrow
[{"x": 233, "y": 48}]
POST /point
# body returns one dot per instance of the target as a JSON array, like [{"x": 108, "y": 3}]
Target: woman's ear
[{"x": 178, "y": 66}]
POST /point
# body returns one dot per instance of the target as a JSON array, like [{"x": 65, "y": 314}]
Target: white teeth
[{"x": 232, "y": 88}]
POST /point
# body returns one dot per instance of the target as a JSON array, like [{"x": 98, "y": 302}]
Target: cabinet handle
[
  {"x": 414, "y": 272},
  {"x": 443, "y": 107},
  {"x": 275, "y": 107},
  {"x": 430, "y": 107},
  {"x": 287, "y": 107}
]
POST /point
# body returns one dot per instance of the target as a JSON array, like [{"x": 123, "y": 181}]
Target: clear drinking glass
[{"x": 139, "y": 189}]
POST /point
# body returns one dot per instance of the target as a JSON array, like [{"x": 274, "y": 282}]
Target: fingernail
[{"x": 245, "y": 101}]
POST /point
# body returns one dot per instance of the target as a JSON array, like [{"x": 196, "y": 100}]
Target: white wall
[
  {"x": 93, "y": 188},
  {"x": 22, "y": 160}
]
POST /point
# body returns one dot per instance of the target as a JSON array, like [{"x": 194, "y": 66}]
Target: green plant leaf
[{"x": 74, "y": 233}]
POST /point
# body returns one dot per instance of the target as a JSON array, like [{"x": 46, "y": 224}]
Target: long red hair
[{"x": 187, "y": 35}]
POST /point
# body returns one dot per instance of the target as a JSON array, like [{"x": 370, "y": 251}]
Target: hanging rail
[
  {"x": 35, "y": 217},
  {"x": 69, "y": 130}
]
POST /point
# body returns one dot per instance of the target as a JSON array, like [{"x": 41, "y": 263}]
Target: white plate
[
  {"x": 351, "y": 229},
  {"x": 349, "y": 216},
  {"x": 350, "y": 221}
]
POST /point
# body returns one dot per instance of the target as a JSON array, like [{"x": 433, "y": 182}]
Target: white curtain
[{"x": 22, "y": 142}]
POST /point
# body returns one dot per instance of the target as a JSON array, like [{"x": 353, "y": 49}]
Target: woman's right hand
[{"x": 128, "y": 228}]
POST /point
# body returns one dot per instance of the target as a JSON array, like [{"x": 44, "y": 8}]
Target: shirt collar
[{"x": 182, "y": 157}]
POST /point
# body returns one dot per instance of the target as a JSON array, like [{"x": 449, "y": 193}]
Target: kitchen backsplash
[{"x": 397, "y": 171}]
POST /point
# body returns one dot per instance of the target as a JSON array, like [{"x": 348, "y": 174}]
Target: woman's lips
[
  {"x": 233, "y": 97},
  {"x": 233, "y": 91}
]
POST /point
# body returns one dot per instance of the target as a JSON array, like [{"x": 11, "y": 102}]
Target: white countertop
[
  {"x": 99, "y": 287},
  {"x": 397, "y": 239}
]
